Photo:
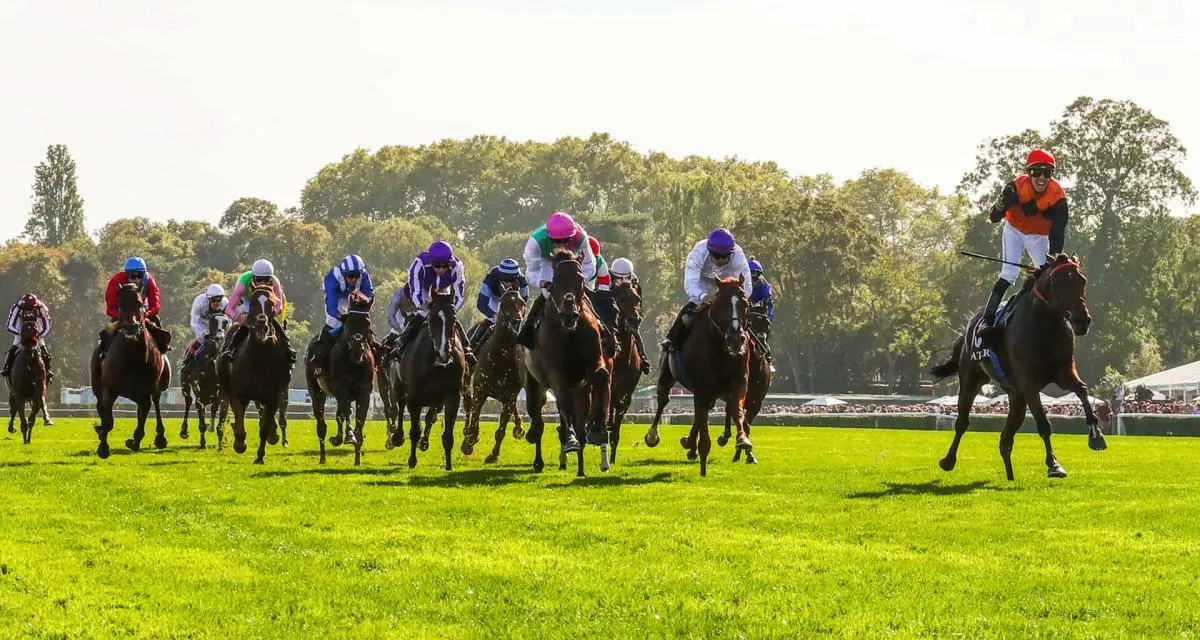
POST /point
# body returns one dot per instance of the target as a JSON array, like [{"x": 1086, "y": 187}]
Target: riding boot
[
  {"x": 8, "y": 361},
  {"x": 468, "y": 353},
  {"x": 232, "y": 343},
  {"x": 287, "y": 344},
  {"x": 536, "y": 310},
  {"x": 986, "y": 325},
  {"x": 641, "y": 349},
  {"x": 675, "y": 335},
  {"x": 411, "y": 329},
  {"x": 48, "y": 359}
]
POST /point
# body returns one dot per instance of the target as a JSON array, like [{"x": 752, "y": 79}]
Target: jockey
[
  {"x": 599, "y": 288},
  {"x": 349, "y": 276},
  {"x": 437, "y": 268},
  {"x": 502, "y": 278},
  {"x": 1034, "y": 210},
  {"x": 261, "y": 273},
  {"x": 26, "y": 306},
  {"x": 135, "y": 272},
  {"x": 204, "y": 306},
  {"x": 560, "y": 231},
  {"x": 622, "y": 273},
  {"x": 718, "y": 256},
  {"x": 760, "y": 291}
]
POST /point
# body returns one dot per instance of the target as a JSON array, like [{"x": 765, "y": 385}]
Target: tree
[
  {"x": 57, "y": 212},
  {"x": 246, "y": 214}
]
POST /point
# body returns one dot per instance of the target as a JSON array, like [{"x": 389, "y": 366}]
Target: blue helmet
[
  {"x": 352, "y": 265},
  {"x": 755, "y": 266},
  {"x": 720, "y": 240},
  {"x": 509, "y": 270},
  {"x": 440, "y": 252},
  {"x": 134, "y": 263}
]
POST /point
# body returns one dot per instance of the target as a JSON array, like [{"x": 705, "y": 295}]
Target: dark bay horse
[
  {"x": 1036, "y": 347},
  {"x": 199, "y": 384},
  {"x": 28, "y": 381},
  {"x": 713, "y": 363},
  {"x": 431, "y": 374},
  {"x": 627, "y": 366},
  {"x": 132, "y": 367},
  {"x": 258, "y": 373},
  {"x": 500, "y": 373},
  {"x": 383, "y": 386},
  {"x": 568, "y": 358},
  {"x": 759, "y": 383},
  {"x": 350, "y": 378}
]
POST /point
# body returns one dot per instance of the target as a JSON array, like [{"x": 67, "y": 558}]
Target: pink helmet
[{"x": 560, "y": 226}]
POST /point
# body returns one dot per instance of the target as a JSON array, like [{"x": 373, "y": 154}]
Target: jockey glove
[
  {"x": 997, "y": 213},
  {"x": 1009, "y": 196}
]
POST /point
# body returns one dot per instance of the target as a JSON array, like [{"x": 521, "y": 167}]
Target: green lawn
[{"x": 852, "y": 533}]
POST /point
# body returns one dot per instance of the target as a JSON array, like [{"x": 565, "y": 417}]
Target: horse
[
  {"x": 132, "y": 367},
  {"x": 500, "y": 374},
  {"x": 1036, "y": 346},
  {"x": 713, "y": 363},
  {"x": 431, "y": 373},
  {"x": 350, "y": 377},
  {"x": 28, "y": 380},
  {"x": 383, "y": 386},
  {"x": 198, "y": 382},
  {"x": 258, "y": 372},
  {"x": 627, "y": 366},
  {"x": 759, "y": 383},
  {"x": 569, "y": 359}
]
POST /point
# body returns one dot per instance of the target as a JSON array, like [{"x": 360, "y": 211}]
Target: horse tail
[{"x": 949, "y": 367}]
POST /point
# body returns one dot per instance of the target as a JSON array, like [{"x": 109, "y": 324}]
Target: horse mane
[
  {"x": 560, "y": 255},
  {"x": 259, "y": 289}
]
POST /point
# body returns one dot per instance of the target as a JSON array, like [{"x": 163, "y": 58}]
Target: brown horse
[
  {"x": 350, "y": 378},
  {"x": 1036, "y": 347},
  {"x": 257, "y": 373},
  {"x": 199, "y": 384},
  {"x": 500, "y": 374},
  {"x": 431, "y": 374},
  {"x": 713, "y": 363},
  {"x": 627, "y": 366},
  {"x": 568, "y": 358},
  {"x": 28, "y": 381},
  {"x": 761, "y": 374},
  {"x": 132, "y": 367}
]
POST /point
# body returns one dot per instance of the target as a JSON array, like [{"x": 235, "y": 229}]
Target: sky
[{"x": 175, "y": 109}]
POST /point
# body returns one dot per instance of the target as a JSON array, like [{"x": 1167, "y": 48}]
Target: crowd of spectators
[{"x": 1001, "y": 407}]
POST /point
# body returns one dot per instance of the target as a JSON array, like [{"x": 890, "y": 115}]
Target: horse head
[
  {"x": 131, "y": 311},
  {"x": 727, "y": 312},
  {"x": 442, "y": 323},
  {"x": 511, "y": 312},
  {"x": 218, "y": 324},
  {"x": 1060, "y": 285},
  {"x": 356, "y": 326},
  {"x": 629, "y": 307},
  {"x": 29, "y": 328},
  {"x": 261, "y": 312},
  {"x": 566, "y": 289}
]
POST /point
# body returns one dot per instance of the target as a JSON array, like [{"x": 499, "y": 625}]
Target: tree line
[{"x": 868, "y": 282}]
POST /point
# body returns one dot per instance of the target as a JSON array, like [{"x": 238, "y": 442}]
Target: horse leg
[
  {"x": 139, "y": 432},
  {"x": 617, "y": 414},
  {"x": 224, "y": 413},
  {"x": 27, "y": 427},
  {"x": 202, "y": 419},
  {"x": 160, "y": 429},
  {"x": 399, "y": 397},
  {"x": 318, "y": 409},
  {"x": 471, "y": 426},
  {"x": 1053, "y": 468},
  {"x": 970, "y": 381},
  {"x": 1016, "y": 415},
  {"x": 345, "y": 427},
  {"x": 535, "y": 399},
  {"x": 665, "y": 382},
  {"x": 430, "y": 418},
  {"x": 281, "y": 419},
  {"x": 187, "y": 407},
  {"x": 723, "y": 439},
  {"x": 700, "y": 432},
  {"x": 46, "y": 421},
  {"x": 451, "y": 417},
  {"x": 505, "y": 413},
  {"x": 12, "y": 413},
  {"x": 266, "y": 428},
  {"x": 361, "y": 407},
  {"x": 599, "y": 402},
  {"x": 104, "y": 408},
  {"x": 239, "y": 423},
  {"x": 1069, "y": 380},
  {"x": 414, "y": 431}
]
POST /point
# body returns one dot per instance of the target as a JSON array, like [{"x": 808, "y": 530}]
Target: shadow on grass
[
  {"x": 485, "y": 477},
  {"x": 612, "y": 481},
  {"x": 660, "y": 462},
  {"x": 331, "y": 471},
  {"x": 931, "y": 488},
  {"x": 28, "y": 463}
]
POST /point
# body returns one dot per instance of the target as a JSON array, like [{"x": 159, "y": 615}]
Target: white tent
[
  {"x": 952, "y": 400},
  {"x": 1071, "y": 398},
  {"x": 1183, "y": 380},
  {"x": 823, "y": 401}
]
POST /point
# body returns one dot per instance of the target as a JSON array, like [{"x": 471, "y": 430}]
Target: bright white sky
[{"x": 175, "y": 108}]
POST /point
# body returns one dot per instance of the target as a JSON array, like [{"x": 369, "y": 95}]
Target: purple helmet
[
  {"x": 441, "y": 251},
  {"x": 720, "y": 240},
  {"x": 755, "y": 266}
]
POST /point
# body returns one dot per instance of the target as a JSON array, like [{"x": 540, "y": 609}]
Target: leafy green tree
[
  {"x": 246, "y": 214},
  {"x": 56, "y": 216}
]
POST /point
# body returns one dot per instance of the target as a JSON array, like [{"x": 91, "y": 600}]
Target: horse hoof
[
  {"x": 722, "y": 440},
  {"x": 335, "y": 441},
  {"x": 538, "y": 467},
  {"x": 1056, "y": 471},
  {"x": 685, "y": 443},
  {"x": 449, "y": 467},
  {"x": 103, "y": 451},
  {"x": 412, "y": 463},
  {"x": 239, "y": 446},
  {"x": 273, "y": 438},
  {"x": 12, "y": 429},
  {"x": 388, "y": 444},
  {"x": 285, "y": 443},
  {"x": 1097, "y": 443},
  {"x": 160, "y": 442},
  {"x": 750, "y": 459},
  {"x": 183, "y": 434},
  {"x": 423, "y": 445},
  {"x": 744, "y": 444},
  {"x": 518, "y": 432},
  {"x": 258, "y": 461},
  {"x": 491, "y": 459},
  {"x": 133, "y": 445},
  {"x": 947, "y": 464},
  {"x": 692, "y": 455},
  {"x": 467, "y": 449},
  {"x": 651, "y": 442},
  {"x": 47, "y": 422}
]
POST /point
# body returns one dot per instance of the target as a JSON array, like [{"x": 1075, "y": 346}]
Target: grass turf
[{"x": 837, "y": 532}]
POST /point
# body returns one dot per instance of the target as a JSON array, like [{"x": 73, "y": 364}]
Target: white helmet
[
  {"x": 263, "y": 268},
  {"x": 621, "y": 267},
  {"x": 215, "y": 291}
]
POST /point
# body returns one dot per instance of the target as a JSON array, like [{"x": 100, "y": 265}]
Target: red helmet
[
  {"x": 30, "y": 302},
  {"x": 595, "y": 244},
  {"x": 1039, "y": 156}
]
